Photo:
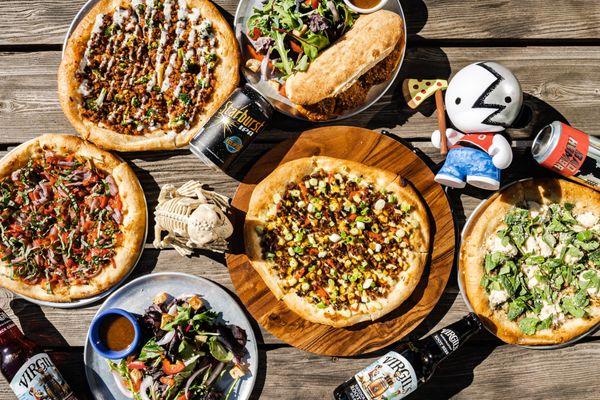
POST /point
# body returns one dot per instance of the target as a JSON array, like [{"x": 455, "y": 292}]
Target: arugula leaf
[
  {"x": 286, "y": 63},
  {"x": 556, "y": 226},
  {"x": 568, "y": 305},
  {"x": 528, "y": 325},
  {"x": 313, "y": 43},
  {"x": 515, "y": 309}
]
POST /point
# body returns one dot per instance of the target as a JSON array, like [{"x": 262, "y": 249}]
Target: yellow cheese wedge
[{"x": 416, "y": 91}]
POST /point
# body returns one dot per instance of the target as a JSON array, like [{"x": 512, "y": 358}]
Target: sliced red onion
[
  {"x": 112, "y": 186},
  {"x": 191, "y": 379},
  {"x": 215, "y": 373},
  {"x": 94, "y": 204},
  {"x": 167, "y": 338},
  {"x": 264, "y": 65},
  {"x": 173, "y": 309},
  {"x": 333, "y": 10},
  {"x": 122, "y": 388},
  {"x": 147, "y": 383},
  {"x": 66, "y": 163},
  {"x": 117, "y": 216}
]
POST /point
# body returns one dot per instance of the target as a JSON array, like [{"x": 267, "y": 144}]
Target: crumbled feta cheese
[
  {"x": 360, "y": 225},
  {"x": 531, "y": 245},
  {"x": 535, "y": 208},
  {"x": 498, "y": 297},
  {"x": 530, "y": 271},
  {"x": 367, "y": 283},
  {"x": 587, "y": 219},
  {"x": 545, "y": 250},
  {"x": 495, "y": 244},
  {"x": 377, "y": 247}
]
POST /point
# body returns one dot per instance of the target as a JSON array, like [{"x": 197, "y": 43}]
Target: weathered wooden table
[{"x": 552, "y": 46}]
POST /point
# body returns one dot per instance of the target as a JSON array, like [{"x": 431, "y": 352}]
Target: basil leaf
[
  {"x": 528, "y": 325},
  {"x": 584, "y": 236}
]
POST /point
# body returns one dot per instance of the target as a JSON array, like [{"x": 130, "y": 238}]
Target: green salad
[
  {"x": 543, "y": 267},
  {"x": 189, "y": 354},
  {"x": 289, "y": 34}
]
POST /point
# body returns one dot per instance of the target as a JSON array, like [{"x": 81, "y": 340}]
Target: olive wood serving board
[{"x": 370, "y": 148}]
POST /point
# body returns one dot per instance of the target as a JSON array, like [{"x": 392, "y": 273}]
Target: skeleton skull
[{"x": 208, "y": 223}]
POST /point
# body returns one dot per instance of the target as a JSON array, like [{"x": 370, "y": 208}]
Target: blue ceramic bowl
[{"x": 100, "y": 347}]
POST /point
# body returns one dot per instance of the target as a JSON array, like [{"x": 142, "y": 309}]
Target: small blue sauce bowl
[{"x": 100, "y": 347}]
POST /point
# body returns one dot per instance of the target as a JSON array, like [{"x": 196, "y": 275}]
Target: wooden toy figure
[{"x": 482, "y": 100}]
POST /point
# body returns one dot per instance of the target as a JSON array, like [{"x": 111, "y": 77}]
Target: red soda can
[{"x": 569, "y": 152}]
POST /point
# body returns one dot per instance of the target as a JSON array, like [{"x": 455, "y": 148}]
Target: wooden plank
[
  {"x": 478, "y": 371},
  {"x": 560, "y": 83},
  {"x": 46, "y": 22}
]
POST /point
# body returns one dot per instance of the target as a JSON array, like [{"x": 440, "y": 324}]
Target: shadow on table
[{"x": 456, "y": 372}]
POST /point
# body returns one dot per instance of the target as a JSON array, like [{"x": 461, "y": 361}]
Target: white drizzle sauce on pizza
[
  {"x": 336, "y": 241},
  {"x": 60, "y": 221},
  {"x": 148, "y": 66},
  {"x": 543, "y": 267}
]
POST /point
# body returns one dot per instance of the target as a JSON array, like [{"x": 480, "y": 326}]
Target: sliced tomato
[
  {"x": 352, "y": 217},
  {"x": 323, "y": 294},
  {"x": 165, "y": 380},
  {"x": 136, "y": 365},
  {"x": 172, "y": 369},
  {"x": 256, "y": 33},
  {"x": 313, "y": 3},
  {"x": 103, "y": 200},
  {"x": 253, "y": 53},
  {"x": 300, "y": 273},
  {"x": 296, "y": 47}
]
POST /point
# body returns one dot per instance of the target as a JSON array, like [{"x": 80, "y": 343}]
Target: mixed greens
[
  {"x": 292, "y": 33},
  {"x": 188, "y": 355},
  {"x": 544, "y": 266}
]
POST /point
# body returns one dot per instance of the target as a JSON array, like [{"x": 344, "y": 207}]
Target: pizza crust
[
  {"x": 134, "y": 215},
  {"x": 226, "y": 75},
  {"x": 261, "y": 206},
  {"x": 486, "y": 223}
]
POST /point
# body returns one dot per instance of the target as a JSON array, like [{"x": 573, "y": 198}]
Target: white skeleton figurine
[{"x": 193, "y": 217}]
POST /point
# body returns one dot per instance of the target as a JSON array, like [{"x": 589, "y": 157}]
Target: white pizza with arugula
[{"x": 531, "y": 262}]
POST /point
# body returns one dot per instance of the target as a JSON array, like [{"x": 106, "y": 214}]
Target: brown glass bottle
[
  {"x": 397, "y": 374},
  {"x": 30, "y": 372}
]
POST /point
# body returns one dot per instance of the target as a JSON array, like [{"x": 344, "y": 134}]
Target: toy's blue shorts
[{"x": 462, "y": 162}]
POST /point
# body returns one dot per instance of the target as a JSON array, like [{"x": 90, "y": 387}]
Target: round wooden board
[{"x": 370, "y": 148}]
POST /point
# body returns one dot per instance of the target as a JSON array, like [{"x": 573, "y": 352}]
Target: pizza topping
[
  {"x": 148, "y": 66},
  {"x": 60, "y": 221},
  {"x": 337, "y": 241},
  {"x": 543, "y": 267}
]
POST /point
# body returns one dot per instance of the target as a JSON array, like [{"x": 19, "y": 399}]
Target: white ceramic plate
[
  {"x": 282, "y": 104},
  {"x": 137, "y": 295},
  {"x": 469, "y": 221}
]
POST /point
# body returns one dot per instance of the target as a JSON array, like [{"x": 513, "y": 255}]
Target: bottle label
[
  {"x": 5, "y": 322},
  {"x": 447, "y": 340},
  {"x": 389, "y": 378},
  {"x": 38, "y": 379}
]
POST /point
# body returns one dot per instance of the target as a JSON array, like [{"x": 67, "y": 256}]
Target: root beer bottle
[
  {"x": 30, "y": 372},
  {"x": 397, "y": 374}
]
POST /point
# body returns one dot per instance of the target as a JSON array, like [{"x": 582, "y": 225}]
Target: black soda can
[{"x": 232, "y": 128}]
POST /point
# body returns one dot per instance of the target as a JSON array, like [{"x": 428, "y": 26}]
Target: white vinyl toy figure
[{"x": 482, "y": 100}]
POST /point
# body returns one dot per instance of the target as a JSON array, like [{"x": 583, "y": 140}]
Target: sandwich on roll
[{"x": 340, "y": 78}]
